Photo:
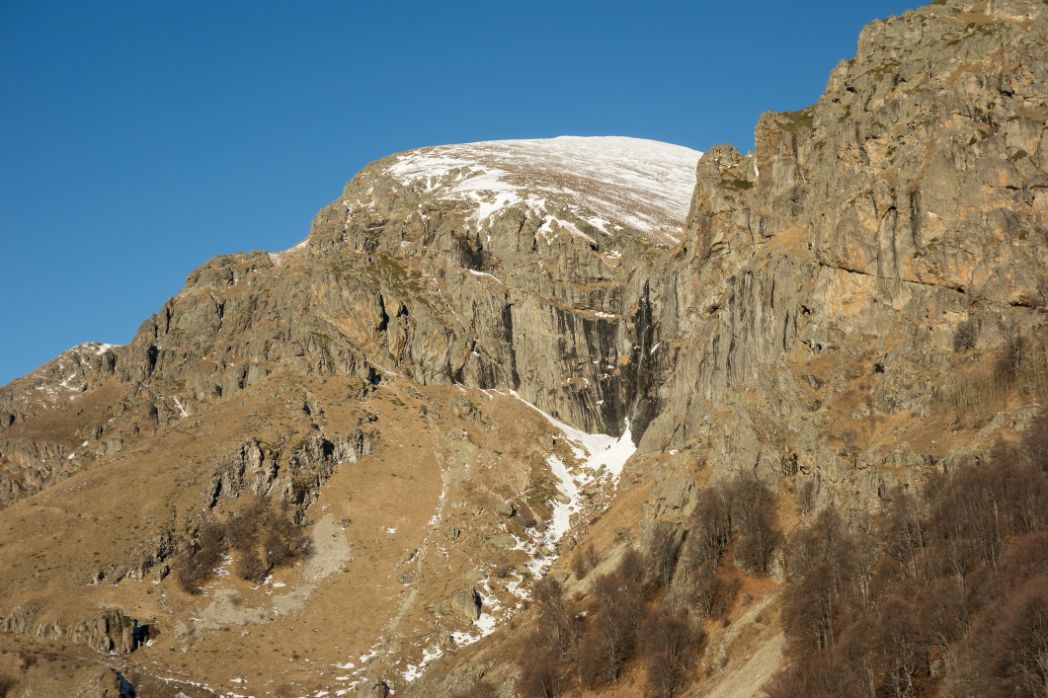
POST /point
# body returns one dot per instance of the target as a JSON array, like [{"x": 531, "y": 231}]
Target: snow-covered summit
[{"x": 595, "y": 184}]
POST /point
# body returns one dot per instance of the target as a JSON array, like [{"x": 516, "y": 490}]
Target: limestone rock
[{"x": 466, "y": 604}]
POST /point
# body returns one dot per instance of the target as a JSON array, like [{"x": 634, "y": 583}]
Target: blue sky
[{"x": 138, "y": 139}]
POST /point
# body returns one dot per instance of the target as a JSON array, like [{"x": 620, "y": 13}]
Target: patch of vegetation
[
  {"x": 966, "y": 334},
  {"x": 1021, "y": 365},
  {"x": 265, "y": 537},
  {"x": 584, "y": 560},
  {"x": 630, "y": 618},
  {"x": 202, "y": 559},
  {"x": 736, "y": 183},
  {"x": 739, "y": 511},
  {"x": 943, "y": 595},
  {"x": 260, "y": 536},
  {"x": 796, "y": 121}
]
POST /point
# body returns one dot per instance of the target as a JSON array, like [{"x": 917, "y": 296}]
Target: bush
[
  {"x": 1010, "y": 362},
  {"x": 668, "y": 646},
  {"x": 592, "y": 660},
  {"x": 540, "y": 674},
  {"x": 966, "y": 335},
  {"x": 584, "y": 560},
  {"x": 751, "y": 504},
  {"x": 1015, "y": 660},
  {"x": 711, "y": 592},
  {"x": 710, "y": 527},
  {"x": 265, "y": 537},
  {"x": 620, "y": 604},
  {"x": 203, "y": 557},
  {"x": 262, "y": 536},
  {"x": 609, "y": 638},
  {"x": 741, "y": 510}
]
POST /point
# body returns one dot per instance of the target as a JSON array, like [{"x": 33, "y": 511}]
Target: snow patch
[
  {"x": 278, "y": 258},
  {"x": 605, "y": 182},
  {"x": 597, "y": 456},
  {"x": 474, "y": 272}
]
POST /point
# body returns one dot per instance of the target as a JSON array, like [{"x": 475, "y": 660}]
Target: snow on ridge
[
  {"x": 278, "y": 257},
  {"x": 96, "y": 348},
  {"x": 603, "y": 181}
]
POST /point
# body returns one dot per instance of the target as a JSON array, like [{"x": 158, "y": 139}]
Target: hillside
[{"x": 503, "y": 386}]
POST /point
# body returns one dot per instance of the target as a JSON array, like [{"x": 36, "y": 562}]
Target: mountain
[{"x": 501, "y": 386}]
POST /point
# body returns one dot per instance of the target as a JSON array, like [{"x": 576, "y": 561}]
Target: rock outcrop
[
  {"x": 109, "y": 631},
  {"x": 815, "y": 301}
]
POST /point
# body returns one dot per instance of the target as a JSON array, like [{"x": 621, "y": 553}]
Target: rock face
[
  {"x": 816, "y": 299},
  {"x": 857, "y": 303},
  {"x": 109, "y": 631},
  {"x": 490, "y": 264}
]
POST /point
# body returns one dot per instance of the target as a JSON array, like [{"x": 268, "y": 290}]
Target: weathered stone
[{"x": 466, "y": 603}]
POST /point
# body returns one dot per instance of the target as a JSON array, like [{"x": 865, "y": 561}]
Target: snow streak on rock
[{"x": 597, "y": 456}]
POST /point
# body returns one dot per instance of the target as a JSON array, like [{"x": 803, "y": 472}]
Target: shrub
[
  {"x": 757, "y": 542},
  {"x": 592, "y": 660},
  {"x": 584, "y": 560},
  {"x": 966, "y": 335},
  {"x": 711, "y": 592},
  {"x": 1010, "y": 362},
  {"x": 710, "y": 527},
  {"x": 1016, "y": 657},
  {"x": 540, "y": 674},
  {"x": 609, "y": 638},
  {"x": 667, "y": 644},
  {"x": 620, "y": 605},
  {"x": 555, "y": 617},
  {"x": 204, "y": 555},
  {"x": 742, "y": 507},
  {"x": 263, "y": 537},
  {"x": 751, "y": 504}
]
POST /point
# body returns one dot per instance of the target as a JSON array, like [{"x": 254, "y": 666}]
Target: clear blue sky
[{"x": 138, "y": 139}]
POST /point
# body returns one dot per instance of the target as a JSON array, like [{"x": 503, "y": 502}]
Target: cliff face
[
  {"x": 492, "y": 265},
  {"x": 855, "y": 305},
  {"x": 815, "y": 305}
]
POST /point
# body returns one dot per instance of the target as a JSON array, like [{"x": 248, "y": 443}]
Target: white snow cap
[{"x": 605, "y": 182}]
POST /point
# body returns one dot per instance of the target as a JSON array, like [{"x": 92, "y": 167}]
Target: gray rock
[{"x": 466, "y": 603}]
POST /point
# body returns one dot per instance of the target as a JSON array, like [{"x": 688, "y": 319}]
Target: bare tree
[
  {"x": 556, "y": 617},
  {"x": 668, "y": 645}
]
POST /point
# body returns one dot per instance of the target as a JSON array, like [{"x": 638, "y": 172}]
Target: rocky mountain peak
[
  {"x": 607, "y": 184},
  {"x": 458, "y": 359}
]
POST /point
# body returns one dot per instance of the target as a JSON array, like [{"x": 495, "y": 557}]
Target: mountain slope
[{"x": 848, "y": 311}]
